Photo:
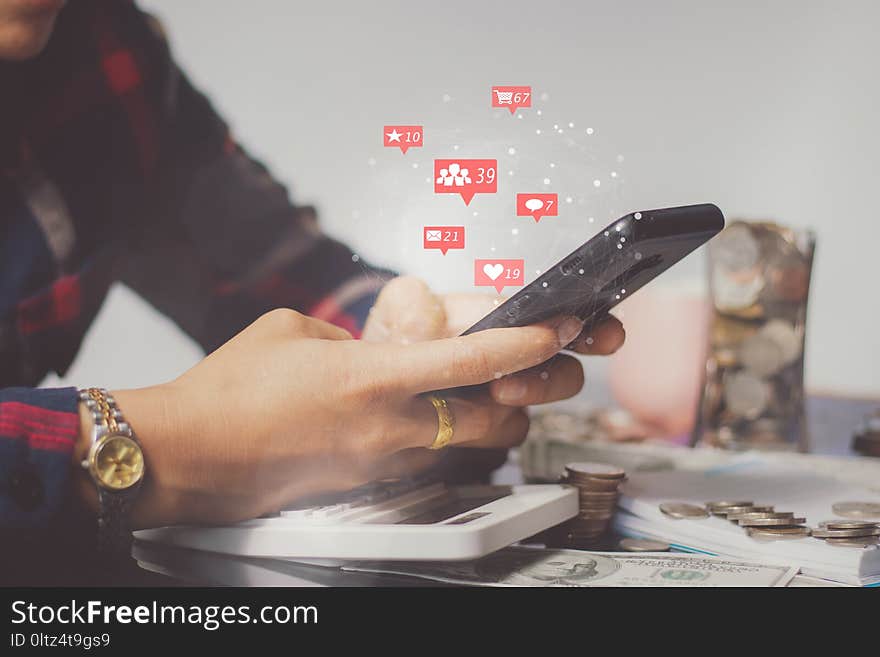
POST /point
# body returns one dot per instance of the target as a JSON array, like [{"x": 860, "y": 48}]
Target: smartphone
[{"x": 610, "y": 267}]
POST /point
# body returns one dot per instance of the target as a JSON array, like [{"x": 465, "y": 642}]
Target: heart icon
[{"x": 493, "y": 271}]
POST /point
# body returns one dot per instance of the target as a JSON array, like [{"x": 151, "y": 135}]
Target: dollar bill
[{"x": 522, "y": 566}]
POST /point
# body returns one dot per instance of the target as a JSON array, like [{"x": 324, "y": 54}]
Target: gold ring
[{"x": 445, "y": 422}]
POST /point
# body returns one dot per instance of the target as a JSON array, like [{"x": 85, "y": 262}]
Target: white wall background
[{"x": 769, "y": 109}]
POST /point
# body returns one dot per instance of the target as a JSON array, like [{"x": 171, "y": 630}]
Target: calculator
[{"x": 388, "y": 521}]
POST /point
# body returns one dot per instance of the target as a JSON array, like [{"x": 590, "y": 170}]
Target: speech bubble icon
[
  {"x": 443, "y": 238},
  {"x": 537, "y": 205},
  {"x": 465, "y": 177},
  {"x": 499, "y": 273},
  {"x": 403, "y": 136},
  {"x": 511, "y": 98}
]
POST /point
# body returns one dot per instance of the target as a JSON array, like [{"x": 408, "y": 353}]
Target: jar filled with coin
[{"x": 753, "y": 393}]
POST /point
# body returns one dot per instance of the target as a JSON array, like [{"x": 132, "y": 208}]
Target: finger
[
  {"x": 510, "y": 432},
  {"x": 559, "y": 378},
  {"x": 472, "y": 359},
  {"x": 476, "y": 418},
  {"x": 406, "y": 311},
  {"x": 405, "y": 463},
  {"x": 604, "y": 339},
  {"x": 465, "y": 309},
  {"x": 286, "y": 323}
]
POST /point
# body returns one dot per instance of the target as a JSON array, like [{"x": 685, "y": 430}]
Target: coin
[
  {"x": 723, "y": 504},
  {"x": 845, "y": 533},
  {"x": 776, "y": 533},
  {"x": 643, "y": 545},
  {"x": 788, "y": 338},
  {"x": 735, "y": 248},
  {"x": 857, "y": 509},
  {"x": 853, "y": 542},
  {"x": 745, "y": 394},
  {"x": 771, "y": 522},
  {"x": 733, "y": 510},
  {"x": 680, "y": 510},
  {"x": 848, "y": 524},
  {"x": 599, "y": 470},
  {"x": 751, "y": 515},
  {"x": 761, "y": 355},
  {"x": 737, "y": 295}
]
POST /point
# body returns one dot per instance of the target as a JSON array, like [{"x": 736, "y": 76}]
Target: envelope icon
[{"x": 433, "y": 235}]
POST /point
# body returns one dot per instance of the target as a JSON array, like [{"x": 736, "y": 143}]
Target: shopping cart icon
[{"x": 504, "y": 97}]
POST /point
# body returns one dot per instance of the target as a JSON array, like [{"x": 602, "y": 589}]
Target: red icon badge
[
  {"x": 465, "y": 177},
  {"x": 499, "y": 273},
  {"x": 512, "y": 97},
  {"x": 443, "y": 237},
  {"x": 537, "y": 205},
  {"x": 403, "y": 136}
]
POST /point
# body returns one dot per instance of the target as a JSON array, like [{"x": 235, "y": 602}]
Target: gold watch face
[{"x": 118, "y": 462}]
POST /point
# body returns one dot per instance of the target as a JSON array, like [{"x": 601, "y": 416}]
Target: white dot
[
  {"x": 538, "y": 272},
  {"x": 519, "y": 116},
  {"x": 545, "y": 376},
  {"x": 623, "y": 291},
  {"x": 546, "y": 181},
  {"x": 597, "y": 183},
  {"x": 559, "y": 131},
  {"x": 446, "y": 98},
  {"x": 589, "y": 131},
  {"x": 622, "y": 239},
  {"x": 606, "y": 233},
  {"x": 570, "y": 124},
  {"x": 544, "y": 284},
  {"x": 427, "y": 180},
  {"x": 556, "y": 126},
  {"x": 538, "y": 131},
  {"x": 569, "y": 199},
  {"x": 498, "y": 375},
  {"x": 372, "y": 161},
  {"x": 510, "y": 173},
  {"x": 495, "y": 302},
  {"x": 620, "y": 158},
  {"x": 618, "y": 227},
  {"x": 415, "y": 165},
  {"x": 589, "y": 340},
  {"x": 492, "y": 249},
  {"x": 545, "y": 96},
  {"x": 580, "y": 271},
  {"x": 638, "y": 215},
  {"x": 614, "y": 174},
  {"x": 620, "y": 246},
  {"x": 616, "y": 296},
  {"x": 552, "y": 165},
  {"x": 539, "y": 112},
  {"x": 591, "y": 219},
  {"x": 455, "y": 148},
  {"x": 515, "y": 231},
  {"x": 511, "y": 151},
  {"x": 355, "y": 257},
  {"x": 638, "y": 255},
  {"x": 476, "y": 213}
]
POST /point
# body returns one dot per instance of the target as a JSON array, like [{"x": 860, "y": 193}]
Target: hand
[
  {"x": 292, "y": 406},
  {"x": 407, "y": 311}
]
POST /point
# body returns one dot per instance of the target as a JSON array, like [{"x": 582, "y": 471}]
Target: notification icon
[
  {"x": 465, "y": 177},
  {"x": 499, "y": 273},
  {"x": 403, "y": 137},
  {"x": 443, "y": 238},
  {"x": 537, "y": 205},
  {"x": 512, "y": 97}
]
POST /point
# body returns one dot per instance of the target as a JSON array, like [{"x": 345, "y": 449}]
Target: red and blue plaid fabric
[{"x": 113, "y": 167}]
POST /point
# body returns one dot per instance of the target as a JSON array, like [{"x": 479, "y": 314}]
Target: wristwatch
[{"x": 116, "y": 464}]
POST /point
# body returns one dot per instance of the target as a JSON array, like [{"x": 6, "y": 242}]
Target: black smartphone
[{"x": 610, "y": 267}]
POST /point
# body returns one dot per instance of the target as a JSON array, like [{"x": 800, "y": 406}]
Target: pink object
[
  {"x": 658, "y": 373},
  {"x": 537, "y": 205},
  {"x": 499, "y": 273},
  {"x": 403, "y": 137},
  {"x": 443, "y": 237},
  {"x": 511, "y": 98},
  {"x": 465, "y": 177}
]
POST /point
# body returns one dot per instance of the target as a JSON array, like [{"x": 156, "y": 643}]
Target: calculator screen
[{"x": 451, "y": 505}]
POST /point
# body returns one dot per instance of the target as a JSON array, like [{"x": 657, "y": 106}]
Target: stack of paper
[{"x": 756, "y": 480}]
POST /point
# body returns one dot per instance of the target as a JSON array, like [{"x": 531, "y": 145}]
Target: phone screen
[{"x": 610, "y": 267}]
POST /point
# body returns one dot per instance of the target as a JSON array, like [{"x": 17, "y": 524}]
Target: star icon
[{"x": 394, "y": 135}]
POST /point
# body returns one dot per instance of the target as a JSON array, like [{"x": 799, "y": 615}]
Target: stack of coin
[
  {"x": 753, "y": 393},
  {"x": 597, "y": 485},
  {"x": 761, "y": 521},
  {"x": 867, "y": 438},
  {"x": 848, "y": 533}
]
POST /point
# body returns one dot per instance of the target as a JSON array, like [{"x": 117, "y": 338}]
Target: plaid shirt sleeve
[
  {"x": 225, "y": 243},
  {"x": 38, "y": 429}
]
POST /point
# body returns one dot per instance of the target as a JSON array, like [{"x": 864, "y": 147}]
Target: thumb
[{"x": 479, "y": 357}]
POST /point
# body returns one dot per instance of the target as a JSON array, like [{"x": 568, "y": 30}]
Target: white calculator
[{"x": 389, "y": 522}]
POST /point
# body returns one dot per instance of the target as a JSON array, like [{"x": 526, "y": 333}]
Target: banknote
[{"x": 523, "y": 566}]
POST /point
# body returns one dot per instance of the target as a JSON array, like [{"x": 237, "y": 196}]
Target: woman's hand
[{"x": 293, "y": 406}]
